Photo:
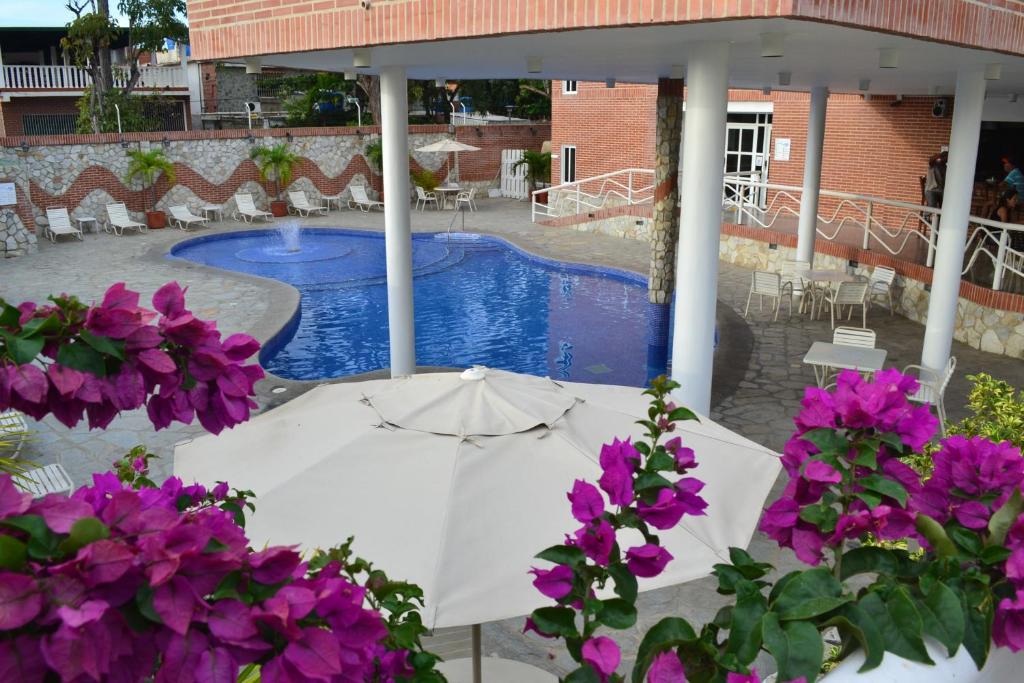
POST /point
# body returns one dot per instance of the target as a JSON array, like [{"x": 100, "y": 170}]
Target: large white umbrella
[
  {"x": 447, "y": 146},
  {"x": 455, "y": 482}
]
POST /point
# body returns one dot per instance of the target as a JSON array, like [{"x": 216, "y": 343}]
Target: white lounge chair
[
  {"x": 933, "y": 388},
  {"x": 301, "y": 205},
  {"x": 770, "y": 285},
  {"x": 184, "y": 218},
  {"x": 119, "y": 220},
  {"x": 39, "y": 481},
  {"x": 361, "y": 201},
  {"x": 467, "y": 198},
  {"x": 423, "y": 198},
  {"x": 60, "y": 223},
  {"x": 245, "y": 209},
  {"x": 880, "y": 285},
  {"x": 12, "y": 432}
]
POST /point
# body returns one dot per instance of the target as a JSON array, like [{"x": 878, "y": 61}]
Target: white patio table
[
  {"x": 825, "y": 355},
  {"x": 815, "y": 280},
  {"x": 446, "y": 191}
]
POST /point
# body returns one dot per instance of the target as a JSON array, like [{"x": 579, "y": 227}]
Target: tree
[
  {"x": 91, "y": 35},
  {"x": 146, "y": 166},
  {"x": 276, "y": 164},
  {"x": 538, "y": 167}
]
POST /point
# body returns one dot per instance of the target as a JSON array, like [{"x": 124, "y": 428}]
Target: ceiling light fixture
[
  {"x": 534, "y": 65},
  {"x": 785, "y": 78},
  {"x": 772, "y": 44},
  {"x": 361, "y": 58},
  {"x": 766, "y": 90},
  {"x": 993, "y": 72},
  {"x": 350, "y": 75},
  {"x": 864, "y": 84},
  {"x": 609, "y": 82},
  {"x": 253, "y": 65},
  {"x": 888, "y": 58}
]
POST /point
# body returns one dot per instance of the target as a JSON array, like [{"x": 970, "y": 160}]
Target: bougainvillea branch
[{"x": 73, "y": 361}]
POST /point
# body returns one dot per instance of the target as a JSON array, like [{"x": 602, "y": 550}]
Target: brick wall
[{"x": 11, "y": 113}]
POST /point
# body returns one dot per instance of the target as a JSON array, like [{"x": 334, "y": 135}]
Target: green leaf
[
  {"x": 872, "y": 500},
  {"x": 9, "y": 315},
  {"x": 228, "y": 506},
  {"x": 995, "y": 554},
  {"x": 854, "y": 620},
  {"x": 228, "y": 586},
  {"x": 13, "y": 553},
  {"x": 556, "y": 621},
  {"x": 977, "y": 605},
  {"x": 935, "y": 535},
  {"x": 584, "y": 674},
  {"x": 867, "y": 456},
  {"x": 40, "y": 326},
  {"x": 83, "y": 358},
  {"x": 23, "y": 350},
  {"x": 868, "y": 559},
  {"x": 780, "y": 585},
  {"x": 661, "y": 462},
  {"x": 625, "y": 583},
  {"x": 1004, "y": 517},
  {"x": 616, "y": 613},
  {"x": 899, "y": 622},
  {"x": 745, "y": 628},
  {"x": 668, "y": 633},
  {"x": 651, "y": 480},
  {"x": 681, "y": 413},
  {"x": 795, "y": 645},
  {"x": 563, "y": 554},
  {"x": 83, "y": 532},
  {"x": 43, "y": 544},
  {"x": 823, "y": 516},
  {"x": 827, "y": 440},
  {"x": 105, "y": 345},
  {"x": 942, "y": 617},
  {"x": 885, "y": 486},
  {"x": 965, "y": 538},
  {"x": 144, "y": 601},
  {"x": 810, "y": 594}
]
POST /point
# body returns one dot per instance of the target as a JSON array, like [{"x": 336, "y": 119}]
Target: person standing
[{"x": 935, "y": 180}]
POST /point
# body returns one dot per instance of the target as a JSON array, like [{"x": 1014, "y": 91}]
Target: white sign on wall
[
  {"x": 8, "y": 196},
  {"x": 782, "y": 149}
]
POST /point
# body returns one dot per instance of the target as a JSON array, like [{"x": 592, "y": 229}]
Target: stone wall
[{"x": 17, "y": 227}]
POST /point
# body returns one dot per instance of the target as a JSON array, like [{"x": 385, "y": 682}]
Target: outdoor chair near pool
[
  {"x": 804, "y": 291},
  {"x": 183, "y": 217},
  {"x": 765, "y": 284},
  {"x": 423, "y": 198},
  {"x": 41, "y": 480},
  {"x": 467, "y": 199},
  {"x": 932, "y": 389},
  {"x": 302, "y": 206},
  {"x": 361, "y": 201},
  {"x": 847, "y": 294},
  {"x": 849, "y": 336},
  {"x": 60, "y": 224},
  {"x": 119, "y": 220},
  {"x": 245, "y": 209},
  {"x": 880, "y": 285}
]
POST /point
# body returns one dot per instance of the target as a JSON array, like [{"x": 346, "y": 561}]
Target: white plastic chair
[
  {"x": 184, "y": 218},
  {"x": 423, "y": 198},
  {"x": 847, "y": 294},
  {"x": 854, "y": 336},
  {"x": 467, "y": 198},
  {"x": 792, "y": 272},
  {"x": 60, "y": 224},
  {"x": 41, "y": 480},
  {"x": 361, "y": 201},
  {"x": 769, "y": 285},
  {"x": 933, "y": 388},
  {"x": 120, "y": 220},
  {"x": 12, "y": 429},
  {"x": 880, "y": 285},
  {"x": 245, "y": 208},
  {"x": 302, "y": 205}
]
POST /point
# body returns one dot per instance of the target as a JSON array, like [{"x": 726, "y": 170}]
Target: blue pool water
[{"x": 477, "y": 301}]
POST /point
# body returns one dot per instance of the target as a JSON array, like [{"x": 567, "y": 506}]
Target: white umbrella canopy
[
  {"x": 448, "y": 145},
  {"x": 455, "y": 484}
]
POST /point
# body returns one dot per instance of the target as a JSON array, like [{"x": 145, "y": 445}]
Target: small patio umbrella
[
  {"x": 449, "y": 145},
  {"x": 455, "y": 482}
]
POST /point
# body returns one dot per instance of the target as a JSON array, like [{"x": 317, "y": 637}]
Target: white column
[
  {"x": 956, "y": 208},
  {"x": 808, "y": 226},
  {"x": 394, "y": 119},
  {"x": 701, "y": 223}
]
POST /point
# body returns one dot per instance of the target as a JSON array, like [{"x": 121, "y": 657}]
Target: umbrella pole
[{"x": 477, "y": 656}]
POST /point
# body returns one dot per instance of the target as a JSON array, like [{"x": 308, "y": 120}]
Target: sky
[{"x": 37, "y": 12}]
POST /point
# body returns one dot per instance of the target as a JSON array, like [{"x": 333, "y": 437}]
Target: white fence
[
  {"x": 513, "y": 177},
  {"x": 75, "y": 78},
  {"x": 626, "y": 187}
]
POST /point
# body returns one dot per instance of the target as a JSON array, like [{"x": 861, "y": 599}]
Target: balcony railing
[{"x": 76, "y": 78}]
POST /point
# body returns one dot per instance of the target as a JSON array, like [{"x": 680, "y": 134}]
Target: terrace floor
[{"x": 759, "y": 375}]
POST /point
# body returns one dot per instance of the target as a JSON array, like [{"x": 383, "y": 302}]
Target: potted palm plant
[
  {"x": 146, "y": 166},
  {"x": 276, "y": 165},
  {"x": 538, "y": 170},
  {"x": 374, "y": 154}
]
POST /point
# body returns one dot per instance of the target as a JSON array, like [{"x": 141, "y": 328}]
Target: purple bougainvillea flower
[
  {"x": 617, "y": 482},
  {"x": 587, "y": 503},
  {"x": 752, "y": 677},
  {"x": 1014, "y": 569},
  {"x": 685, "y": 457},
  {"x": 20, "y": 600},
  {"x": 13, "y": 501},
  {"x": 619, "y": 453},
  {"x": 666, "y": 668},
  {"x": 647, "y": 560},
  {"x": 687, "y": 495},
  {"x": 1008, "y": 627},
  {"x": 555, "y": 583},
  {"x": 596, "y": 540},
  {"x": 972, "y": 514},
  {"x": 822, "y": 472},
  {"x": 665, "y": 512},
  {"x": 274, "y": 565},
  {"x": 603, "y": 656}
]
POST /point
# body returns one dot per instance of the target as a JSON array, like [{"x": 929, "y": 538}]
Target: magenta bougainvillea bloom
[
  {"x": 118, "y": 356},
  {"x": 587, "y": 503},
  {"x": 647, "y": 560},
  {"x": 666, "y": 668},
  {"x": 1008, "y": 627},
  {"x": 603, "y": 656},
  {"x": 118, "y": 584},
  {"x": 554, "y": 583},
  {"x": 596, "y": 540}
]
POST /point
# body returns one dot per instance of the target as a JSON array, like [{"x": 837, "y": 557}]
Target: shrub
[{"x": 425, "y": 179}]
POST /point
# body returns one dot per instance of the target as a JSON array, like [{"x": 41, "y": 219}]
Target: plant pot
[
  {"x": 156, "y": 219},
  {"x": 279, "y": 208}
]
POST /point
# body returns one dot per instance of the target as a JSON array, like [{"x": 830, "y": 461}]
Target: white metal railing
[
  {"x": 19, "y": 77},
  {"x": 626, "y": 187}
]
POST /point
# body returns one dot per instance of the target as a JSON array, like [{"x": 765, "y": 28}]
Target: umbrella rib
[{"x": 442, "y": 536}]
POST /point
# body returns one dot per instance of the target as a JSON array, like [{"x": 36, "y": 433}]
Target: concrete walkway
[{"x": 759, "y": 373}]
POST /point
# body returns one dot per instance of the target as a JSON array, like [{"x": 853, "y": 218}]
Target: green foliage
[
  {"x": 87, "y": 35},
  {"x": 538, "y": 167},
  {"x": 425, "y": 179},
  {"x": 276, "y": 164},
  {"x": 139, "y": 113},
  {"x": 148, "y": 165},
  {"x": 152, "y": 21},
  {"x": 374, "y": 154},
  {"x": 997, "y": 411}
]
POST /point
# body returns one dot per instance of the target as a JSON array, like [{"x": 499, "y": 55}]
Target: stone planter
[
  {"x": 156, "y": 220},
  {"x": 279, "y": 208}
]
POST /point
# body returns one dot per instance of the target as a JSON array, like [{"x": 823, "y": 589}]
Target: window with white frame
[
  {"x": 569, "y": 87},
  {"x": 568, "y": 163}
]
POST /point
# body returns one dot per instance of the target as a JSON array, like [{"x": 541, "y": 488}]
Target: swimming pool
[{"x": 477, "y": 299}]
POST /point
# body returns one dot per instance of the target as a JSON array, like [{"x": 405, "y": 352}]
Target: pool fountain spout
[{"x": 289, "y": 233}]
